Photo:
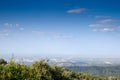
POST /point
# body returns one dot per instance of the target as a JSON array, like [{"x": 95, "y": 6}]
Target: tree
[
  {"x": 42, "y": 70},
  {"x": 2, "y": 61}
]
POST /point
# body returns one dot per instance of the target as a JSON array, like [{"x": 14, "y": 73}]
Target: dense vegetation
[{"x": 40, "y": 70}]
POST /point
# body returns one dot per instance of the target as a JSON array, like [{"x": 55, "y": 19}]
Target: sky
[{"x": 35, "y": 28}]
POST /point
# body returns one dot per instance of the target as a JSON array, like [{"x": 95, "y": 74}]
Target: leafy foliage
[
  {"x": 40, "y": 70},
  {"x": 2, "y": 61}
]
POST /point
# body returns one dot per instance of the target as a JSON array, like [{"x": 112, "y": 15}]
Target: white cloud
[
  {"x": 107, "y": 30},
  {"x": 11, "y": 25},
  {"x": 106, "y": 21},
  {"x": 104, "y": 30},
  {"x": 105, "y": 25},
  {"x": 95, "y": 25},
  {"x": 100, "y": 25},
  {"x": 78, "y": 10},
  {"x": 102, "y": 16},
  {"x": 17, "y": 25},
  {"x": 4, "y": 33}
]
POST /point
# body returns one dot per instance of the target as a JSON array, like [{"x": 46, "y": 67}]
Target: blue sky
[{"x": 34, "y": 28}]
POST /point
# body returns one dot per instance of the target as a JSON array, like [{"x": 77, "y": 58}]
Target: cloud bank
[{"x": 105, "y": 25}]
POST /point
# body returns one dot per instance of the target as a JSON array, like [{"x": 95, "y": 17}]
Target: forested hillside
[
  {"x": 98, "y": 70},
  {"x": 40, "y": 70}
]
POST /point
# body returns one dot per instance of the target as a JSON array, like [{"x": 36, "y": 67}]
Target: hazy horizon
[{"x": 34, "y": 28}]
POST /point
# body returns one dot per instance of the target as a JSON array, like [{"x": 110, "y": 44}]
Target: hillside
[{"x": 40, "y": 70}]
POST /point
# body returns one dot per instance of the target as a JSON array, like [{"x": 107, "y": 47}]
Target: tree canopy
[{"x": 2, "y": 61}]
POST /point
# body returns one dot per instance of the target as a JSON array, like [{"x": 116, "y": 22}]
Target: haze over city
[{"x": 35, "y": 28}]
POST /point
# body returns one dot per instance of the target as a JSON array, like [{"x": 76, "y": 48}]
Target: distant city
[{"x": 73, "y": 61}]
